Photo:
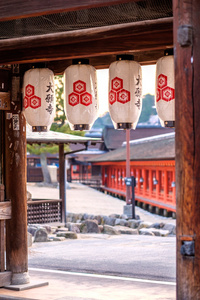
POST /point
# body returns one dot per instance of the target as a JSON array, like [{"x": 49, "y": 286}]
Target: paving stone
[
  {"x": 57, "y": 238},
  {"x": 67, "y": 235},
  {"x": 132, "y": 223},
  {"x": 126, "y": 230},
  {"x": 170, "y": 227},
  {"x": 121, "y": 222},
  {"x": 74, "y": 227},
  {"x": 62, "y": 229},
  {"x": 144, "y": 225},
  {"x": 109, "y": 221},
  {"x": 146, "y": 231},
  {"x": 89, "y": 226},
  {"x": 110, "y": 230},
  {"x": 41, "y": 235}
]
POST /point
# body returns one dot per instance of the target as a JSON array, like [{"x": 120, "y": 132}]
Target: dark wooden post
[
  {"x": 187, "y": 80},
  {"x": 2, "y": 235},
  {"x": 15, "y": 187},
  {"x": 62, "y": 178}
]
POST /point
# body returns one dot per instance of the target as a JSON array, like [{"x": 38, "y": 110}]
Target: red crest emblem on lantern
[
  {"x": 117, "y": 93},
  {"x": 164, "y": 92},
  {"x": 79, "y": 94},
  {"x": 30, "y": 99}
]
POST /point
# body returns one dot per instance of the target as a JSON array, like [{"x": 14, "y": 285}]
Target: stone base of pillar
[
  {"x": 20, "y": 278},
  {"x": 128, "y": 210}
]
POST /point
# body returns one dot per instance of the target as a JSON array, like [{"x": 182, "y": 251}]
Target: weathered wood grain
[
  {"x": 140, "y": 42},
  {"x": 91, "y": 34},
  {"x": 5, "y": 210},
  {"x": 5, "y": 278},
  {"x": 187, "y": 78},
  {"x": 15, "y": 178},
  {"x": 14, "y": 9},
  {"x": 2, "y": 232}
]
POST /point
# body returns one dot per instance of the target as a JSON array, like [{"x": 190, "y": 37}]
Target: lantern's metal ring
[
  {"x": 39, "y": 128},
  {"x": 124, "y": 125},
  {"x": 170, "y": 124},
  {"x": 81, "y": 127}
]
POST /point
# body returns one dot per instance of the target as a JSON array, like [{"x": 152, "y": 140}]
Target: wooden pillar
[
  {"x": 187, "y": 79},
  {"x": 2, "y": 235},
  {"x": 62, "y": 179},
  {"x": 165, "y": 186},
  {"x": 150, "y": 183},
  {"x": 145, "y": 181},
  {"x": 158, "y": 184},
  {"x": 15, "y": 187}
]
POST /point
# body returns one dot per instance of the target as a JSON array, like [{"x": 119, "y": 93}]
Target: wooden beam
[
  {"x": 142, "y": 41},
  {"x": 187, "y": 140},
  {"x": 91, "y": 34},
  {"x": 14, "y": 9},
  {"x": 5, "y": 210}
]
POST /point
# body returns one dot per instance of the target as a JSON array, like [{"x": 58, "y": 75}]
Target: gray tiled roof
[
  {"x": 152, "y": 148},
  {"x": 113, "y": 138}
]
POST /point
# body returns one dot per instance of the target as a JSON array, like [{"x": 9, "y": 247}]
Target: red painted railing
[{"x": 155, "y": 181}]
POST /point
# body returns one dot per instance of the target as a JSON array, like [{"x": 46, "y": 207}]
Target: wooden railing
[
  {"x": 155, "y": 182},
  {"x": 42, "y": 211},
  {"x": 94, "y": 181},
  {"x": 5, "y": 214}
]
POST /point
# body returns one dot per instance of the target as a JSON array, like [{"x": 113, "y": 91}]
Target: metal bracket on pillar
[
  {"x": 187, "y": 245},
  {"x": 185, "y": 35},
  {"x": 187, "y": 248}
]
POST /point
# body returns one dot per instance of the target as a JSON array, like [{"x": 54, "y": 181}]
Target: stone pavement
[{"x": 65, "y": 285}]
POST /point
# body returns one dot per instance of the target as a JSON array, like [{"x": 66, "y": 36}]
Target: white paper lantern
[
  {"x": 39, "y": 98},
  {"x": 81, "y": 101},
  {"x": 165, "y": 92},
  {"x": 125, "y": 92}
]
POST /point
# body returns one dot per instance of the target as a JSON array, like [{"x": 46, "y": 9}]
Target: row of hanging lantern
[{"x": 81, "y": 100}]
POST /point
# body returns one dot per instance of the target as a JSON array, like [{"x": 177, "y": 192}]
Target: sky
[{"x": 148, "y": 85}]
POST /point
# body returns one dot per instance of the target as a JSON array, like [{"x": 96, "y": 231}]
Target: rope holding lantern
[
  {"x": 165, "y": 89},
  {"x": 39, "y": 98},
  {"x": 81, "y": 100},
  {"x": 125, "y": 92}
]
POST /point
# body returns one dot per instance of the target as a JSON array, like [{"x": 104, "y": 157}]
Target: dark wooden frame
[
  {"x": 5, "y": 214},
  {"x": 186, "y": 44}
]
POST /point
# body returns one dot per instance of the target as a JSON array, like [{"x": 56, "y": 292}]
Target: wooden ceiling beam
[
  {"x": 16, "y": 9},
  {"x": 124, "y": 44},
  {"x": 140, "y": 37},
  {"x": 83, "y": 35}
]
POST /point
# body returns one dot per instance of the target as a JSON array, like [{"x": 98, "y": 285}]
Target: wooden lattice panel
[{"x": 44, "y": 211}]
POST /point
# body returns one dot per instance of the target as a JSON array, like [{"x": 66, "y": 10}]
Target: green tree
[
  {"x": 148, "y": 108},
  {"x": 60, "y": 124},
  {"x": 60, "y": 117}
]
